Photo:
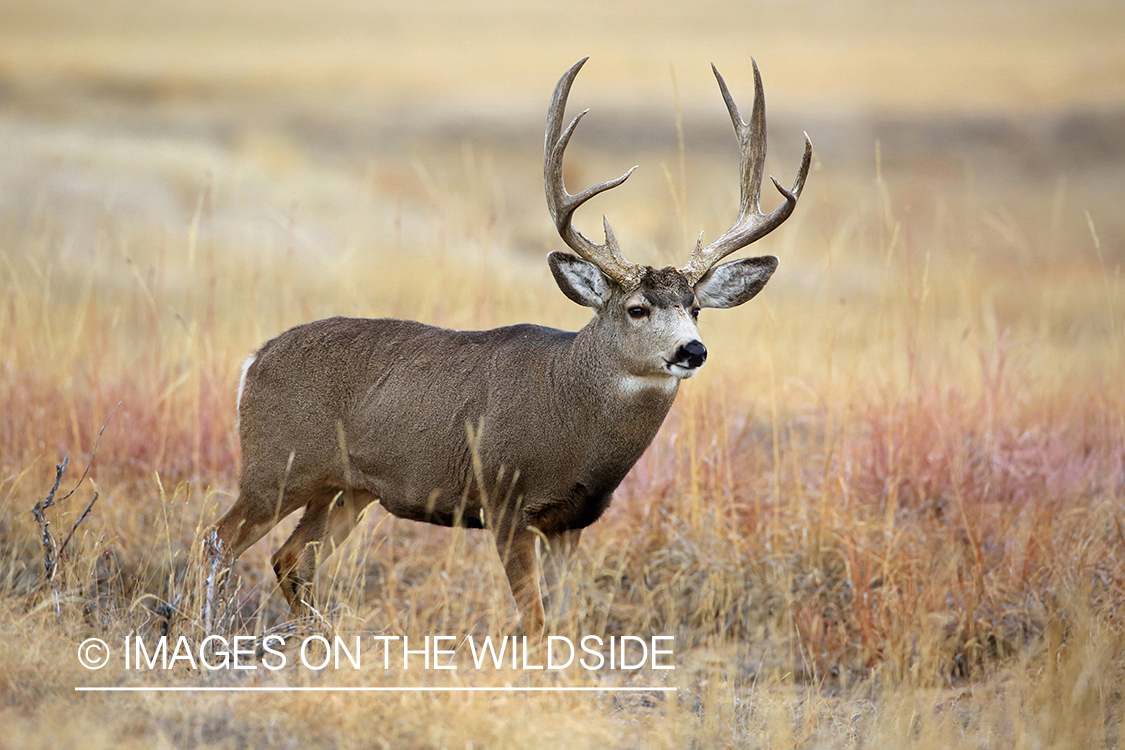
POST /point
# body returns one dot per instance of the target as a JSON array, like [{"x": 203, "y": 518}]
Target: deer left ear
[{"x": 731, "y": 284}]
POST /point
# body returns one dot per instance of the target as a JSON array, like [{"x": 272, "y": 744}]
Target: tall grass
[{"x": 887, "y": 513}]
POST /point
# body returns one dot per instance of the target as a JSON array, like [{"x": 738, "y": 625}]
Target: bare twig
[
  {"x": 93, "y": 453},
  {"x": 81, "y": 518},
  {"x": 51, "y": 551},
  {"x": 39, "y": 512}
]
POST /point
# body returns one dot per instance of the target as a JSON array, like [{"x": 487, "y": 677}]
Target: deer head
[{"x": 655, "y": 311}]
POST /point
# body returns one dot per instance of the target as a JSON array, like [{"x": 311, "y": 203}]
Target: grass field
[{"x": 887, "y": 513}]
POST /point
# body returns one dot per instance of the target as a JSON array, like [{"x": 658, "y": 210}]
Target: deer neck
[{"x": 595, "y": 388}]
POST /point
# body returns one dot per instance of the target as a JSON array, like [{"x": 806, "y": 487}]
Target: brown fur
[{"x": 338, "y": 413}]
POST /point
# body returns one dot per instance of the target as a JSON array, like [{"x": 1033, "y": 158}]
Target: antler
[
  {"x": 562, "y": 204},
  {"x": 751, "y": 224}
]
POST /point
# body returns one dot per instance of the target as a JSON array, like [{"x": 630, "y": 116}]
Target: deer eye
[{"x": 637, "y": 312}]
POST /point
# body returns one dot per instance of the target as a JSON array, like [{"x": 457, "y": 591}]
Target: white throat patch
[{"x": 636, "y": 384}]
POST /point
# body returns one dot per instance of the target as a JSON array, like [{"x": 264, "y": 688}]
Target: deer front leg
[
  {"x": 558, "y": 552},
  {"x": 518, "y": 557}
]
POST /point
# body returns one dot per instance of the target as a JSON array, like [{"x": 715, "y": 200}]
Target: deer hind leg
[
  {"x": 344, "y": 516},
  {"x": 253, "y": 514},
  {"x": 325, "y": 525},
  {"x": 557, "y": 555},
  {"x": 295, "y": 561},
  {"x": 517, "y": 553}
]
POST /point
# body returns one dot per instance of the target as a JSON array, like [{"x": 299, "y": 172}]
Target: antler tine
[
  {"x": 751, "y": 224},
  {"x": 607, "y": 257}
]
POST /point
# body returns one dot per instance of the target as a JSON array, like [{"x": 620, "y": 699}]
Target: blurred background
[
  {"x": 898, "y": 480},
  {"x": 315, "y": 107}
]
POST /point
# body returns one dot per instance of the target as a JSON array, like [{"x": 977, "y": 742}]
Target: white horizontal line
[{"x": 280, "y": 689}]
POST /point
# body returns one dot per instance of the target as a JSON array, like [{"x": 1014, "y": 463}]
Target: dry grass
[{"x": 888, "y": 513}]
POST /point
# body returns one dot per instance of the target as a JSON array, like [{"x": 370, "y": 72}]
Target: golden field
[{"x": 887, "y": 513}]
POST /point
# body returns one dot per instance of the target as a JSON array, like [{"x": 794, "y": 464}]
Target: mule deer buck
[{"x": 523, "y": 430}]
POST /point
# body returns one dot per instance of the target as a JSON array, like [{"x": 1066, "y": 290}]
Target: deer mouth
[{"x": 682, "y": 370}]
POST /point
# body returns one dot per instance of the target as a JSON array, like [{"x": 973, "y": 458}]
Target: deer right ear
[{"x": 580, "y": 280}]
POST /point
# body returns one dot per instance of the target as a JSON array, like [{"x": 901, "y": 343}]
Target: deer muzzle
[{"x": 692, "y": 354}]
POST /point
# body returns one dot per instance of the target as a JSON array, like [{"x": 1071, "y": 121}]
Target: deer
[{"x": 525, "y": 430}]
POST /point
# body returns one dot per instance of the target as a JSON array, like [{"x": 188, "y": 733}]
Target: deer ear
[
  {"x": 731, "y": 284},
  {"x": 580, "y": 280}
]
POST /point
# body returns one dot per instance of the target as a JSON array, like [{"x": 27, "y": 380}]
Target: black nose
[{"x": 693, "y": 352}]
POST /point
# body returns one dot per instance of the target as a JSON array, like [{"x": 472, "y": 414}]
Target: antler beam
[
  {"x": 751, "y": 224},
  {"x": 607, "y": 257}
]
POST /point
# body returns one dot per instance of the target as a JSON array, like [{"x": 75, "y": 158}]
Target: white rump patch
[{"x": 242, "y": 379}]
